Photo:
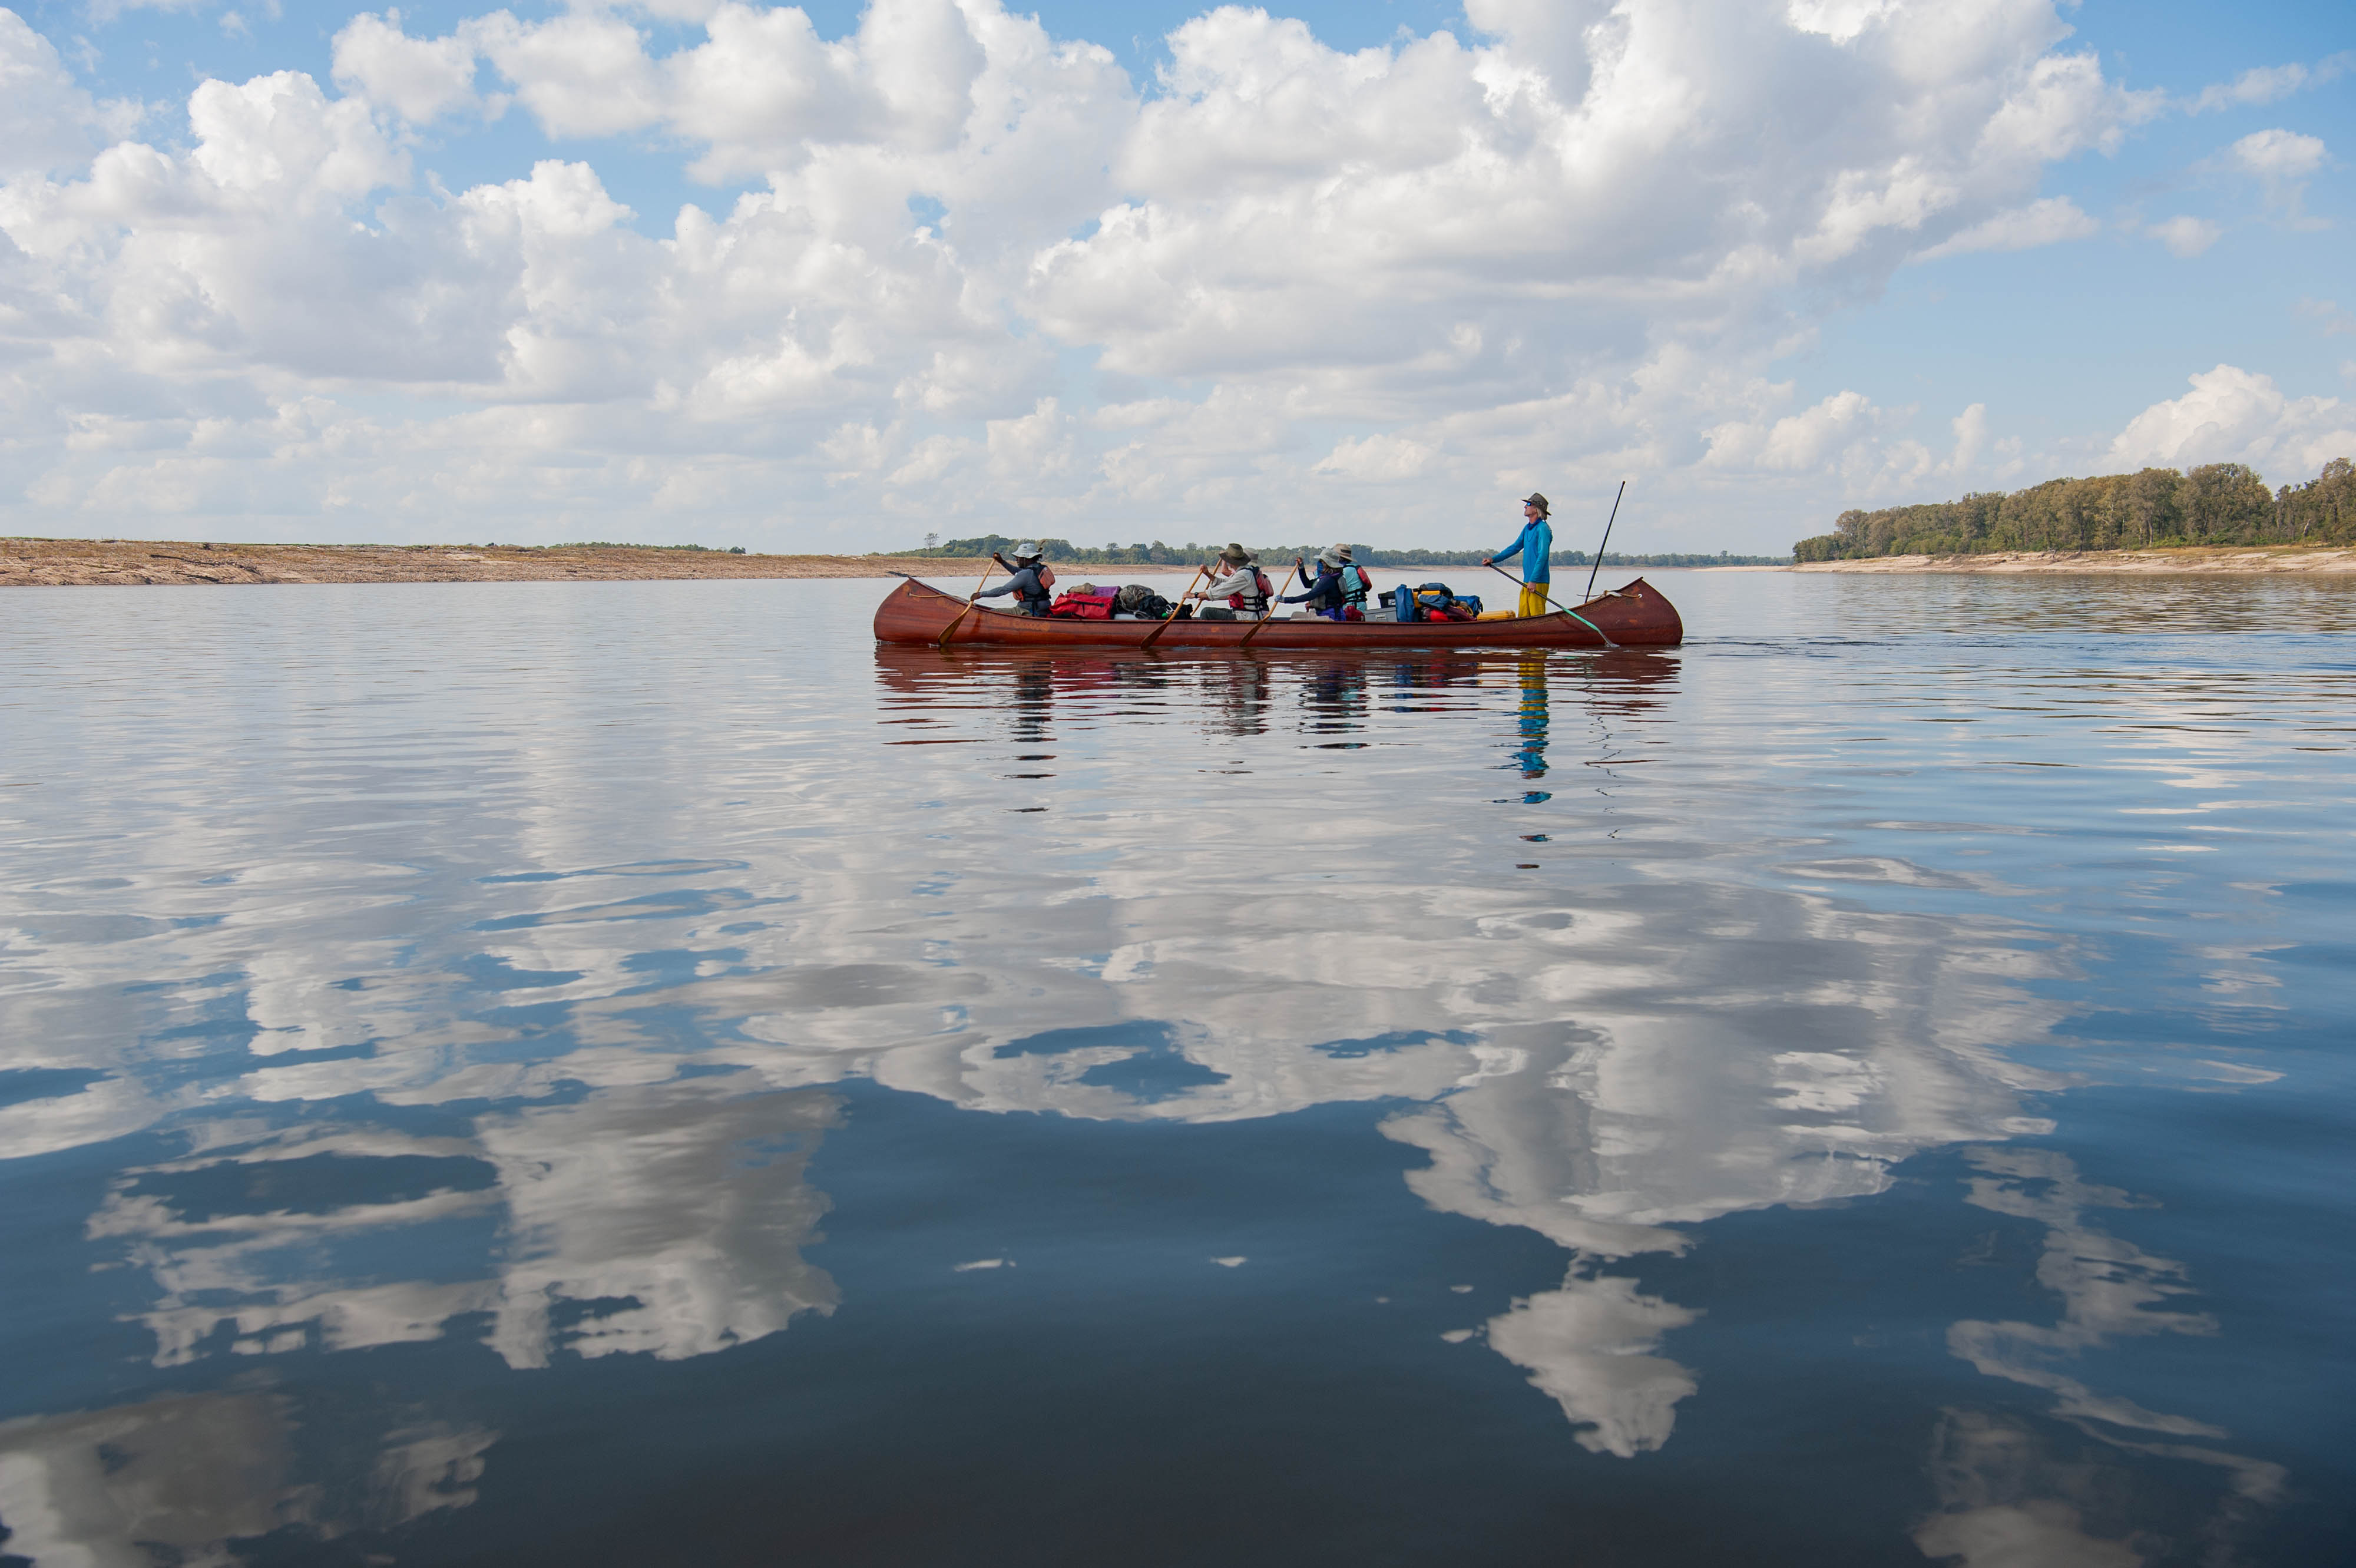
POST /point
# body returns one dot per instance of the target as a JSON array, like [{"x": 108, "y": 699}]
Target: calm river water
[{"x": 630, "y": 1073}]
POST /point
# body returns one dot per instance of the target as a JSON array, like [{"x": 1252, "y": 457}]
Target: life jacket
[
  {"x": 1257, "y": 600},
  {"x": 1035, "y": 603},
  {"x": 1348, "y": 586}
]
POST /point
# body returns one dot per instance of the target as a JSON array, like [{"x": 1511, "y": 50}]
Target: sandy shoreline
[
  {"x": 2214, "y": 559},
  {"x": 126, "y": 563},
  {"x": 108, "y": 563},
  {"x": 88, "y": 562}
]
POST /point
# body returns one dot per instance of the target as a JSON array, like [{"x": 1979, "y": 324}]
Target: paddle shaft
[
  {"x": 971, "y": 603},
  {"x": 1551, "y": 599},
  {"x": 1607, "y": 539},
  {"x": 1155, "y": 635},
  {"x": 1270, "y": 614}
]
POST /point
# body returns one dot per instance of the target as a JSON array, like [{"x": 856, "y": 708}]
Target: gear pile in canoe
[{"x": 1636, "y": 615}]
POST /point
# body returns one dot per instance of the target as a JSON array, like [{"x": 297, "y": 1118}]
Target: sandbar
[
  {"x": 2206, "y": 559},
  {"x": 105, "y": 562}
]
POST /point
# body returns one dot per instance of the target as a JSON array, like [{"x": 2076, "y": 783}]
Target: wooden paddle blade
[{"x": 1155, "y": 635}]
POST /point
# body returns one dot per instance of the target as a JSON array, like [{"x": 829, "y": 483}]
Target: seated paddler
[
  {"x": 1029, "y": 585},
  {"x": 1236, "y": 576},
  {"x": 1339, "y": 588}
]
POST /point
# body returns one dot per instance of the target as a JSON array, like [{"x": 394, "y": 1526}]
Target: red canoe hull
[{"x": 1633, "y": 617}]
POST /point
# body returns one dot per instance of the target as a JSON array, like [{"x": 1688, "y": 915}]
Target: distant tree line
[
  {"x": 2218, "y": 503},
  {"x": 617, "y": 544},
  {"x": 1190, "y": 554}
]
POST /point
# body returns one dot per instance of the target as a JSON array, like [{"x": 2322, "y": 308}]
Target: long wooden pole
[
  {"x": 1270, "y": 614},
  {"x": 1607, "y": 539},
  {"x": 1155, "y": 635},
  {"x": 970, "y": 602},
  {"x": 1551, "y": 599}
]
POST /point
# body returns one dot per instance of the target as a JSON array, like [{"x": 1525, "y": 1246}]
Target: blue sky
[{"x": 1218, "y": 275}]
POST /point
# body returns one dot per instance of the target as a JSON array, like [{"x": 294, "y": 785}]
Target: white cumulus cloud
[
  {"x": 2265, "y": 84},
  {"x": 419, "y": 79},
  {"x": 2185, "y": 235},
  {"x": 982, "y": 274},
  {"x": 2278, "y": 153},
  {"x": 47, "y": 121},
  {"x": 2050, "y": 221},
  {"x": 2233, "y": 415}
]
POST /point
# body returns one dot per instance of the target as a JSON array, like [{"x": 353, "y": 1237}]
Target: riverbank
[
  {"x": 126, "y": 563},
  {"x": 2207, "y": 559},
  {"x": 122, "y": 562},
  {"x": 106, "y": 562}
]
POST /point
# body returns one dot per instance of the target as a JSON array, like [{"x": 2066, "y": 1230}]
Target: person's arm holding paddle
[
  {"x": 1536, "y": 543},
  {"x": 1233, "y": 575},
  {"x": 1000, "y": 562},
  {"x": 1322, "y": 594},
  {"x": 1537, "y": 540},
  {"x": 1031, "y": 580}
]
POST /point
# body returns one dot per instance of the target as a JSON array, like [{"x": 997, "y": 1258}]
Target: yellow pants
[{"x": 1534, "y": 599}]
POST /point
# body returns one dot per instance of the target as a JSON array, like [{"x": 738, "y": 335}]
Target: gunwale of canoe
[{"x": 1636, "y": 615}]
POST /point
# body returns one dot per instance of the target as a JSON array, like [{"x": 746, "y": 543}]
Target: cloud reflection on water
[
  {"x": 1569, "y": 1084},
  {"x": 2007, "y": 1496},
  {"x": 665, "y": 1219},
  {"x": 1133, "y": 891},
  {"x": 179, "y": 1480}
]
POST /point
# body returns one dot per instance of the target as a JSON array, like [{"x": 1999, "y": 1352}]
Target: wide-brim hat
[
  {"x": 1027, "y": 551},
  {"x": 1334, "y": 554},
  {"x": 1537, "y": 500},
  {"x": 1238, "y": 555}
]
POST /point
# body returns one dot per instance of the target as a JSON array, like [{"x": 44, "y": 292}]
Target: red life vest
[{"x": 1257, "y": 600}]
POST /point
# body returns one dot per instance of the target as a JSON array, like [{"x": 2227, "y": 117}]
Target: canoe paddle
[
  {"x": 1155, "y": 635},
  {"x": 1551, "y": 599},
  {"x": 971, "y": 601},
  {"x": 1269, "y": 614}
]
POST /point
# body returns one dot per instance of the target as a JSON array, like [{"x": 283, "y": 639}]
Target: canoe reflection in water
[{"x": 1331, "y": 695}]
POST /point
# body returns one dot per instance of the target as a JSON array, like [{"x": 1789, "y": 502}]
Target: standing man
[{"x": 1535, "y": 542}]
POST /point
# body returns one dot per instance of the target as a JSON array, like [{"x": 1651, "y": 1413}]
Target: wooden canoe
[{"x": 1633, "y": 617}]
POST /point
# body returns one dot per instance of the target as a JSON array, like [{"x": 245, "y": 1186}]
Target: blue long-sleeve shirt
[
  {"x": 1325, "y": 592},
  {"x": 1535, "y": 542}
]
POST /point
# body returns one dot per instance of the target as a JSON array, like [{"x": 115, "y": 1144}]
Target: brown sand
[
  {"x": 2213, "y": 559},
  {"x": 71, "y": 562},
  {"x": 68, "y": 563}
]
